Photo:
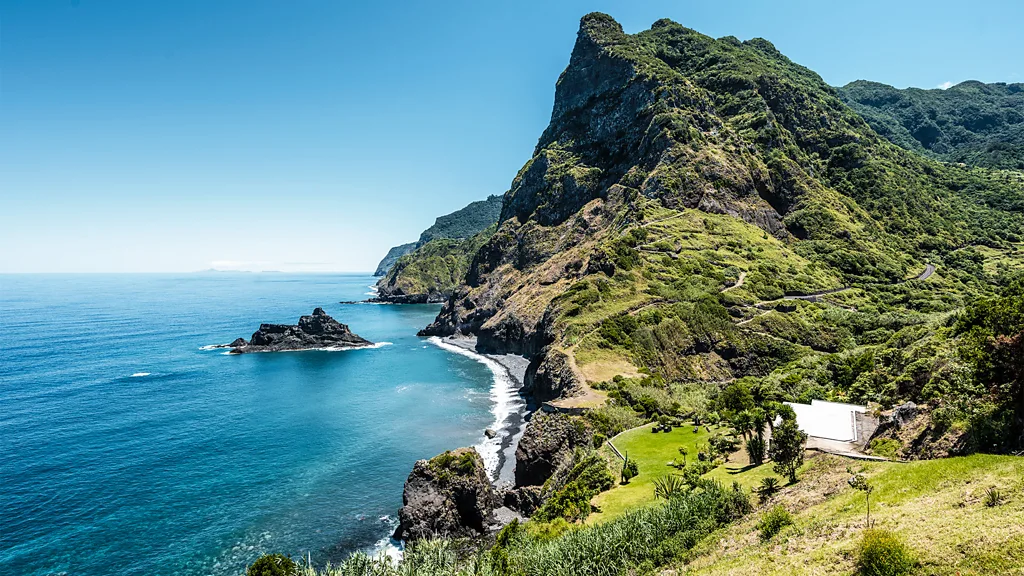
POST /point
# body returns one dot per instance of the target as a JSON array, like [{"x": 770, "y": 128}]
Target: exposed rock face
[
  {"x": 449, "y": 495},
  {"x": 314, "y": 331},
  {"x": 524, "y": 499},
  {"x": 548, "y": 442}
]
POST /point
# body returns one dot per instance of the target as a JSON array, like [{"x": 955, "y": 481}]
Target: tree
[
  {"x": 860, "y": 482},
  {"x": 683, "y": 452},
  {"x": 743, "y": 422},
  {"x": 755, "y": 450},
  {"x": 787, "y": 448},
  {"x": 769, "y": 487}
]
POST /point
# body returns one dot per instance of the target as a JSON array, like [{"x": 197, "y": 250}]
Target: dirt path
[{"x": 739, "y": 282}]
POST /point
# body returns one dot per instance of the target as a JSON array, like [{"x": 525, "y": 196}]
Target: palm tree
[
  {"x": 683, "y": 452},
  {"x": 758, "y": 417},
  {"x": 743, "y": 422}
]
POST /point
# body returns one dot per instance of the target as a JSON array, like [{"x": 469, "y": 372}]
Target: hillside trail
[{"x": 739, "y": 282}]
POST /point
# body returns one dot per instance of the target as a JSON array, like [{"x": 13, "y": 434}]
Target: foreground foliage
[
  {"x": 641, "y": 539},
  {"x": 882, "y": 553}
]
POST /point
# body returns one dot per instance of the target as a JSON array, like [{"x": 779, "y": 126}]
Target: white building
[{"x": 831, "y": 420}]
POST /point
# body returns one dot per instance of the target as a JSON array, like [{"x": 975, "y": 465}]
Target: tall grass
[{"x": 640, "y": 539}]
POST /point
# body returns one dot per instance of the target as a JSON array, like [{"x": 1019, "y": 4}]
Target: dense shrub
[
  {"x": 886, "y": 447},
  {"x": 272, "y": 565},
  {"x": 773, "y": 521},
  {"x": 883, "y": 553}
]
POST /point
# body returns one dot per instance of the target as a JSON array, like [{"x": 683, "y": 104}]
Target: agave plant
[
  {"x": 993, "y": 497},
  {"x": 669, "y": 486}
]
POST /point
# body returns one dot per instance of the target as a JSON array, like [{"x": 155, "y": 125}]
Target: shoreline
[{"x": 510, "y": 408}]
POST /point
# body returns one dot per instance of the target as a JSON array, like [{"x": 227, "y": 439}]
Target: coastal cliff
[
  {"x": 314, "y": 331},
  {"x": 449, "y": 495},
  {"x": 683, "y": 182}
]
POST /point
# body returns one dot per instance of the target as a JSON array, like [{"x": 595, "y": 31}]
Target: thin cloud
[{"x": 944, "y": 85}]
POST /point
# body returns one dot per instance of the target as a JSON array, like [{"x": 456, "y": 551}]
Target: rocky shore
[
  {"x": 510, "y": 429},
  {"x": 315, "y": 331}
]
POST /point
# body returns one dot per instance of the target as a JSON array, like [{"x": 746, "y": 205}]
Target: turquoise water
[{"x": 127, "y": 449}]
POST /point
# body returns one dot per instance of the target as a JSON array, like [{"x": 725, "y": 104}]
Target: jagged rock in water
[
  {"x": 549, "y": 441},
  {"x": 317, "y": 330},
  {"x": 449, "y": 495}
]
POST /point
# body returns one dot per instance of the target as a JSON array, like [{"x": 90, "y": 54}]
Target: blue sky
[{"x": 143, "y": 136}]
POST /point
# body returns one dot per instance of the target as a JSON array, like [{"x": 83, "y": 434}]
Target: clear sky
[{"x": 181, "y": 135}]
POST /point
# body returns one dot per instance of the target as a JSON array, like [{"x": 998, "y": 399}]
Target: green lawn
[{"x": 652, "y": 453}]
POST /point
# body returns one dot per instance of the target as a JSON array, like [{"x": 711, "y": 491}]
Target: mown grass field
[
  {"x": 936, "y": 506},
  {"x": 653, "y": 452}
]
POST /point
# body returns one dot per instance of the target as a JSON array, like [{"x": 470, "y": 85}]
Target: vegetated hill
[
  {"x": 939, "y": 509},
  {"x": 686, "y": 188},
  {"x": 392, "y": 256},
  {"x": 975, "y": 123},
  {"x": 461, "y": 224},
  {"x": 431, "y": 272}
]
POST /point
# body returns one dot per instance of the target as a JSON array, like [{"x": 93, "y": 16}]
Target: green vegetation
[
  {"x": 769, "y": 487},
  {"x": 629, "y": 469},
  {"x": 787, "y": 449},
  {"x": 643, "y": 538},
  {"x": 773, "y": 521},
  {"x": 465, "y": 222},
  {"x": 935, "y": 506},
  {"x": 462, "y": 224},
  {"x": 588, "y": 477},
  {"x": 432, "y": 271},
  {"x": 883, "y": 553},
  {"x": 272, "y": 565},
  {"x": 975, "y": 123}
]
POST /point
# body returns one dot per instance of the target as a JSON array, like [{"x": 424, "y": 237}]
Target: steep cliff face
[
  {"x": 676, "y": 165},
  {"x": 449, "y": 495}
]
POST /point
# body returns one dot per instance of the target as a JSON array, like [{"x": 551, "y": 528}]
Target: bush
[
  {"x": 883, "y": 553},
  {"x": 769, "y": 487},
  {"x": 272, "y": 565},
  {"x": 773, "y": 521},
  {"x": 886, "y": 447},
  {"x": 629, "y": 471}
]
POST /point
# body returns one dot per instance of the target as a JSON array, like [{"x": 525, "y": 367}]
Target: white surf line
[{"x": 504, "y": 397}]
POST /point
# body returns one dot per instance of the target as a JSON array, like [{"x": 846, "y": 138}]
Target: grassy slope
[{"x": 935, "y": 505}]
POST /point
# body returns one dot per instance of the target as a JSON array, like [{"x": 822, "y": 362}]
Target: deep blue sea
[{"x": 128, "y": 449}]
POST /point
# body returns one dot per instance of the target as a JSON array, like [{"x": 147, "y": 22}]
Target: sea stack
[{"x": 317, "y": 330}]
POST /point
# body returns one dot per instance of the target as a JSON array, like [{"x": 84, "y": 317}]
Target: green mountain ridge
[
  {"x": 971, "y": 122},
  {"x": 705, "y": 230}
]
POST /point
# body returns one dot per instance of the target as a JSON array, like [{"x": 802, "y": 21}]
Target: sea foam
[{"x": 505, "y": 401}]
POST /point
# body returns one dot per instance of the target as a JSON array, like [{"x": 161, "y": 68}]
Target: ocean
[{"x": 128, "y": 447}]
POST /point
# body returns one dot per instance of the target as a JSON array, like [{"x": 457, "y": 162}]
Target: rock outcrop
[
  {"x": 317, "y": 330},
  {"x": 449, "y": 495},
  {"x": 548, "y": 442}
]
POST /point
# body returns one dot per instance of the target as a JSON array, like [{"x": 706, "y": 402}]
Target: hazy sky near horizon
[{"x": 142, "y": 136}]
